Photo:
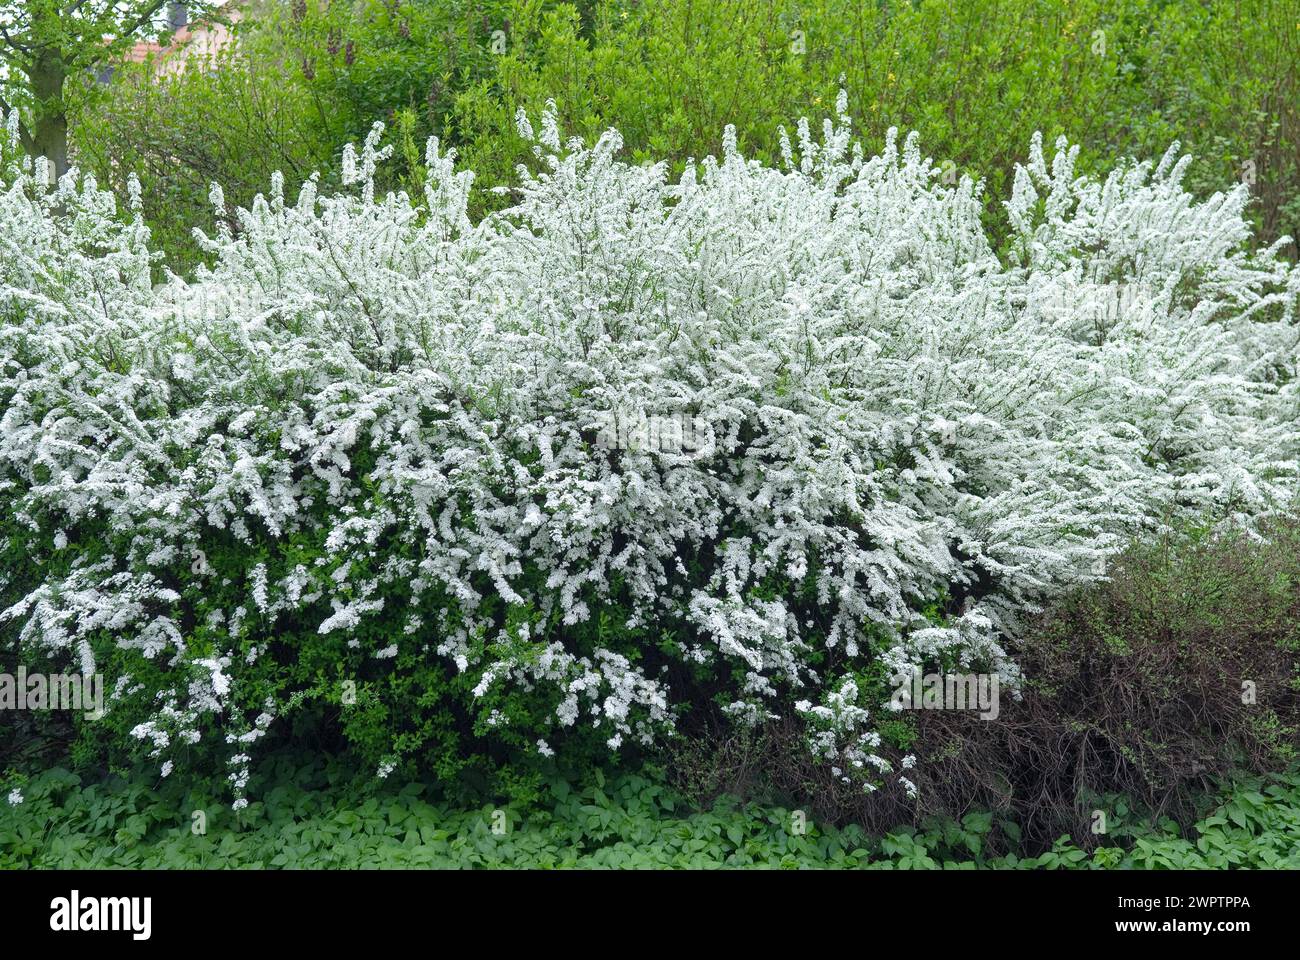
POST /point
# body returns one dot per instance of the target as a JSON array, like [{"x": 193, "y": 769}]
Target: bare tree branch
[
  {"x": 146, "y": 15},
  {"x": 4, "y": 31}
]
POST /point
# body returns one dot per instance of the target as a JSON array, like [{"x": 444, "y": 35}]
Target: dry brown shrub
[{"x": 1134, "y": 686}]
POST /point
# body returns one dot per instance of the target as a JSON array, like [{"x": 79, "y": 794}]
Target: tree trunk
[{"x": 50, "y": 123}]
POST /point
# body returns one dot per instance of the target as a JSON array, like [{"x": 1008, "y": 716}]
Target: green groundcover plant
[
  {"x": 465, "y": 494},
  {"x": 313, "y": 816}
]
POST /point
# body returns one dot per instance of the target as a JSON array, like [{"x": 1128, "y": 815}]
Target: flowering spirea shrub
[{"x": 353, "y": 472}]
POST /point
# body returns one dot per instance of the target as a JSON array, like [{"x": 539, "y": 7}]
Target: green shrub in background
[
  {"x": 1224, "y": 78},
  {"x": 975, "y": 78},
  {"x": 304, "y": 79},
  {"x": 231, "y": 124}
]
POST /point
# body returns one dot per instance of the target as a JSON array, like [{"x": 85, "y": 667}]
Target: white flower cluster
[
  {"x": 839, "y": 732},
  {"x": 899, "y": 418}
]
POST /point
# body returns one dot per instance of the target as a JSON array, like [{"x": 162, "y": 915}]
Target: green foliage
[
  {"x": 50, "y": 51},
  {"x": 975, "y": 79},
  {"x": 234, "y": 123},
  {"x": 303, "y": 80},
  {"x": 1256, "y": 826},
  {"x": 1117, "y": 77},
  {"x": 319, "y": 816}
]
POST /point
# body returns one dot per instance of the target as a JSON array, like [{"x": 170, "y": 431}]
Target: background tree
[{"x": 44, "y": 44}]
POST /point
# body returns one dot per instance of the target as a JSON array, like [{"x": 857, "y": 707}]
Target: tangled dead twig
[{"x": 1180, "y": 669}]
